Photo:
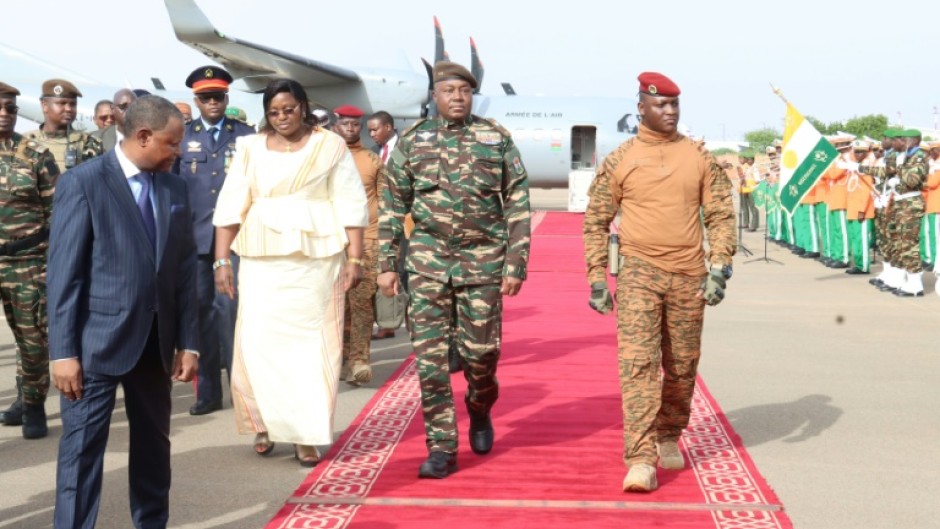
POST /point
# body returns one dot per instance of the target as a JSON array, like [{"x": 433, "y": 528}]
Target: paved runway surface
[{"x": 831, "y": 384}]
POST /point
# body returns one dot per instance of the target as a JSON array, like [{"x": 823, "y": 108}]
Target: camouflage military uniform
[
  {"x": 467, "y": 191},
  {"x": 27, "y": 179},
  {"x": 69, "y": 150},
  {"x": 659, "y": 316},
  {"x": 360, "y": 301},
  {"x": 907, "y": 212}
]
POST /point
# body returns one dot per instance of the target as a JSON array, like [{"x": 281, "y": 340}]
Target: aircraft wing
[{"x": 255, "y": 64}]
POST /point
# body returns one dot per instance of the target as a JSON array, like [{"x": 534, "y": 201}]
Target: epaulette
[
  {"x": 413, "y": 126},
  {"x": 495, "y": 124},
  {"x": 29, "y": 150}
]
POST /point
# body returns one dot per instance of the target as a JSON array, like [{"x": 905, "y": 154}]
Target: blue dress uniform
[{"x": 203, "y": 163}]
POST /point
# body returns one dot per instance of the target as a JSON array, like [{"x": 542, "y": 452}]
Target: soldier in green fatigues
[
  {"x": 59, "y": 106},
  {"x": 461, "y": 178},
  {"x": 27, "y": 178}
]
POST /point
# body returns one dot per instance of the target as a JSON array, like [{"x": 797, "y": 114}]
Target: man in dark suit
[
  {"x": 122, "y": 310},
  {"x": 208, "y": 147}
]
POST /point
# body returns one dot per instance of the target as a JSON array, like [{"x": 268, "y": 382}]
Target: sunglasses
[
  {"x": 11, "y": 109},
  {"x": 288, "y": 112},
  {"x": 205, "y": 98}
]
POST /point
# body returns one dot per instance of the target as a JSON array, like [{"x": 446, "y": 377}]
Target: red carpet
[{"x": 557, "y": 457}]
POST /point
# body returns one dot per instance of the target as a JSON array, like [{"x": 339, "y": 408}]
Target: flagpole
[{"x": 779, "y": 93}]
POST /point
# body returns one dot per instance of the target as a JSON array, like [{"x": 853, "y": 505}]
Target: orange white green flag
[{"x": 806, "y": 156}]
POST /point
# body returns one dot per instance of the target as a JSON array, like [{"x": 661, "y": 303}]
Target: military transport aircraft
[
  {"x": 27, "y": 73},
  {"x": 556, "y": 135}
]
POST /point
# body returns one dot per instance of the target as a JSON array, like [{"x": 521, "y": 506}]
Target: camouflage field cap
[
  {"x": 7, "y": 90},
  {"x": 446, "y": 70},
  {"x": 60, "y": 88},
  {"x": 236, "y": 113}
]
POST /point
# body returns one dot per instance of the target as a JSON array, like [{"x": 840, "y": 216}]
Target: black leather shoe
[
  {"x": 799, "y": 252},
  {"x": 438, "y": 465},
  {"x": 202, "y": 407},
  {"x": 855, "y": 271},
  {"x": 34, "y": 421},
  {"x": 884, "y": 287},
  {"x": 12, "y": 416},
  {"x": 481, "y": 433},
  {"x": 839, "y": 264},
  {"x": 810, "y": 255},
  {"x": 875, "y": 282},
  {"x": 903, "y": 294}
]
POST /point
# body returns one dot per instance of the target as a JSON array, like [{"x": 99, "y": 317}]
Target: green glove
[
  {"x": 600, "y": 298},
  {"x": 714, "y": 287}
]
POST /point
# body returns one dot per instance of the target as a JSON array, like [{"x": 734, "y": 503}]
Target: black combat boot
[
  {"x": 438, "y": 465},
  {"x": 34, "y": 421},
  {"x": 481, "y": 431},
  {"x": 13, "y": 416}
]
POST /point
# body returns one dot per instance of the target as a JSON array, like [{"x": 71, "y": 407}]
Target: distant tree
[
  {"x": 722, "y": 151},
  {"x": 760, "y": 139},
  {"x": 817, "y": 124},
  {"x": 872, "y": 125}
]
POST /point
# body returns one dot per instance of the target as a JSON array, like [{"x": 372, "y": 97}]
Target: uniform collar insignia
[
  {"x": 426, "y": 135},
  {"x": 197, "y": 127}
]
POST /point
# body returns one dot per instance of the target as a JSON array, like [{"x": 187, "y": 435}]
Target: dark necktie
[
  {"x": 212, "y": 132},
  {"x": 145, "y": 205}
]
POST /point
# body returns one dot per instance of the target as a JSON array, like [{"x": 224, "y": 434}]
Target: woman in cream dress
[{"x": 293, "y": 208}]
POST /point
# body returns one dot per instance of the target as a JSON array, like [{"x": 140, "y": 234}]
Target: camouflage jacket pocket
[
  {"x": 22, "y": 184},
  {"x": 427, "y": 170},
  {"x": 488, "y": 173}
]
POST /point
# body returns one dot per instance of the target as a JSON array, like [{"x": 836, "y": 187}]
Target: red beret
[
  {"x": 657, "y": 84},
  {"x": 349, "y": 111}
]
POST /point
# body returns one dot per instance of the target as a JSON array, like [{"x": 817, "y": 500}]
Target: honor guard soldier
[
  {"x": 59, "y": 109},
  {"x": 207, "y": 149},
  {"x": 461, "y": 178},
  {"x": 666, "y": 188},
  {"x": 28, "y": 174}
]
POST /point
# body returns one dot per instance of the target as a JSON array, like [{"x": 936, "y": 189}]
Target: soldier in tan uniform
[
  {"x": 360, "y": 301},
  {"x": 664, "y": 186},
  {"x": 59, "y": 106},
  {"x": 27, "y": 179}
]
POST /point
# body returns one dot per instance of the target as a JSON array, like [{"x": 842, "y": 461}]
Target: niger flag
[{"x": 806, "y": 156}]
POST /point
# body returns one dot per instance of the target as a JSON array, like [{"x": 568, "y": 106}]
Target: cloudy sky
[{"x": 832, "y": 62}]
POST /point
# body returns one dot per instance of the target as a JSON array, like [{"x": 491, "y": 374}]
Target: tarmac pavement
[{"x": 831, "y": 385}]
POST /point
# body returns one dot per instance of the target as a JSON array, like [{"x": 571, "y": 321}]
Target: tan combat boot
[
  {"x": 640, "y": 478},
  {"x": 670, "y": 457}
]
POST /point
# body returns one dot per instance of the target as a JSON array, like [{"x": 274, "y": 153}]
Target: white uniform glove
[{"x": 893, "y": 182}]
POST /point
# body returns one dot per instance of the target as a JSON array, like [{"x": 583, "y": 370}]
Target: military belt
[{"x": 18, "y": 245}]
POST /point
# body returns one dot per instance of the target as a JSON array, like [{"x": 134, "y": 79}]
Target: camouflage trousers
[
  {"x": 659, "y": 334},
  {"x": 477, "y": 334},
  {"x": 881, "y": 234},
  {"x": 359, "y": 314},
  {"x": 23, "y": 289},
  {"x": 904, "y": 220}
]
